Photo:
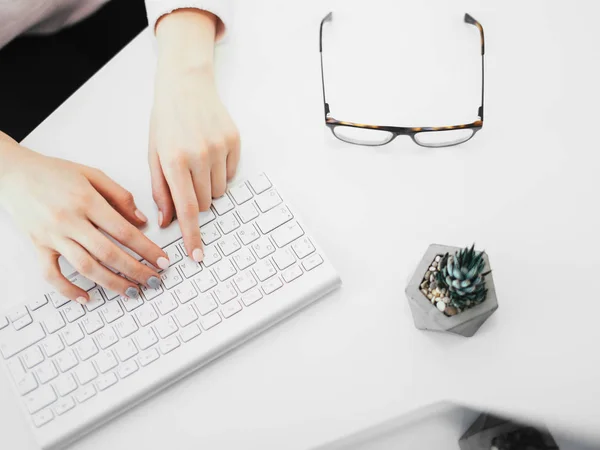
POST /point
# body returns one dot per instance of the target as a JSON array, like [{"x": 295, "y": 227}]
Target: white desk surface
[{"x": 525, "y": 189}]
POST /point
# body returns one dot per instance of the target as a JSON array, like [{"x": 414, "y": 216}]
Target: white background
[{"x": 525, "y": 189}]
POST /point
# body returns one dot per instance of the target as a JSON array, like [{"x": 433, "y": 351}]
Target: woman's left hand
[{"x": 194, "y": 146}]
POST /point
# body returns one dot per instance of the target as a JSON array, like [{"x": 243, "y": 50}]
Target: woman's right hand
[{"x": 64, "y": 206}]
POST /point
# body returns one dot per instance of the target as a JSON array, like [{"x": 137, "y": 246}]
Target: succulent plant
[{"x": 462, "y": 275}]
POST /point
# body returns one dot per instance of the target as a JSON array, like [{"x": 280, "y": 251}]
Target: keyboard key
[
  {"x": 96, "y": 300},
  {"x": 210, "y": 320},
  {"x": 17, "y": 312},
  {"x": 225, "y": 292},
  {"x": 185, "y": 315},
  {"x": 146, "y": 315},
  {"x": 206, "y": 216},
  {"x": 264, "y": 269},
  {"x": 86, "y": 349},
  {"x": 229, "y": 245},
  {"x": 287, "y": 233},
  {"x": 146, "y": 338},
  {"x": 166, "y": 303},
  {"x": 263, "y": 247},
  {"x": 247, "y": 212},
  {"x": 185, "y": 292},
  {"x": 3, "y": 322},
  {"x": 189, "y": 333},
  {"x": 85, "y": 372},
  {"x": 245, "y": 281},
  {"x": 26, "y": 384},
  {"x": 211, "y": 255},
  {"x": 42, "y": 418},
  {"x": 273, "y": 219},
  {"x": 244, "y": 258},
  {"x": 224, "y": 270},
  {"x": 240, "y": 193},
  {"x": 46, "y": 371},
  {"x": 248, "y": 234},
  {"x": 16, "y": 368},
  {"x": 303, "y": 247},
  {"x": 284, "y": 258},
  {"x": 73, "y": 311},
  {"x": 85, "y": 393},
  {"x": 189, "y": 267},
  {"x": 110, "y": 295},
  {"x": 231, "y": 308},
  {"x": 22, "y": 322},
  {"x": 125, "y": 350},
  {"x": 168, "y": 345},
  {"x": 228, "y": 223},
  {"x": 13, "y": 342},
  {"x": 64, "y": 405},
  {"x": 106, "y": 381},
  {"x": 210, "y": 233},
  {"x": 33, "y": 305},
  {"x": 132, "y": 303},
  {"x": 150, "y": 293},
  {"x": 32, "y": 356},
  {"x": 259, "y": 183},
  {"x": 165, "y": 327},
  {"x": 82, "y": 282},
  {"x": 65, "y": 385},
  {"x": 173, "y": 254},
  {"x": 92, "y": 322},
  {"x": 223, "y": 204},
  {"x": 106, "y": 338},
  {"x": 205, "y": 281},
  {"x": 271, "y": 285},
  {"x": 40, "y": 398},
  {"x": 72, "y": 334},
  {"x": 148, "y": 357},
  {"x": 311, "y": 262},
  {"x": 291, "y": 274},
  {"x": 111, "y": 312},
  {"x": 66, "y": 360},
  {"x": 106, "y": 361},
  {"x": 205, "y": 304},
  {"x": 52, "y": 345},
  {"x": 53, "y": 321},
  {"x": 58, "y": 299},
  {"x": 171, "y": 277},
  {"x": 126, "y": 326},
  {"x": 268, "y": 200}
]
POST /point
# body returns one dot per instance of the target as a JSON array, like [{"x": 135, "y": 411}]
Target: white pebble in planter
[{"x": 434, "y": 308}]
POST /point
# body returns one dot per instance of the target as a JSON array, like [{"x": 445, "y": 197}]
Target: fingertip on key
[
  {"x": 198, "y": 255},
  {"x": 81, "y": 300},
  {"x": 132, "y": 292},
  {"x": 163, "y": 263}
]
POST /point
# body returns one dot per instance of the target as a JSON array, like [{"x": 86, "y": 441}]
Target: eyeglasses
[{"x": 374, "y": 135}]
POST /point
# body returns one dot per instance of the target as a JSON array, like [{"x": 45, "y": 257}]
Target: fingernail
[
  {"x": 160, "y": 218},
  {"x": 140, "y": 215},
  {"x": 163, "y": 263},
  {"x": 154, "y": 282},
  {"x": 132, "y": 292},
  {"x": 81, "y": 300},
  {"x": 198, "y": 255}
]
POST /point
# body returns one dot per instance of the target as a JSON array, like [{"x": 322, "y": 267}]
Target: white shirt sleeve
[{"x": 220, "y": 8}]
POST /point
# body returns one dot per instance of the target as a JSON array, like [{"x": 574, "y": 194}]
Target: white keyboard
[{"x": 75, "y": 367}]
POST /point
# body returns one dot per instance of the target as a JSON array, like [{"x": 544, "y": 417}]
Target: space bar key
[{"x": 13, "y": 343}]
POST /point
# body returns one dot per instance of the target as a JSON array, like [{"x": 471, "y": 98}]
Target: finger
[
  {"x": 233, "y": 158},
  {"x": 186, "y": 205},
  {"x": 110, "y": 221},
  {"x": 201, "y": 177},
  {"x": 218, "y": 179},
  {"x": 116, "y": 195},
  {"x": 53, "y": 275},
  {"x": 160, "y": 191},
  {"x": 108, "y": 253},
  {"x": 87, "y": 266}
]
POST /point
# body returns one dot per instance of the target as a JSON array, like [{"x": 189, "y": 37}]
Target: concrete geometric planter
[
  {"x": 494, "y": 433},
  {"x": 427, "y": 317}
]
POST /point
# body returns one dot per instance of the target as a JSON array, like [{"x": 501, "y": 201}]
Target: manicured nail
[
  {"x": 160, "y": 218},
  {"x": 163, "y": 263},
  {"x": 132, "y": 292},
  {"x": 140, "y": 215},
  {"x": 81, "y": 300},
  {"x": 198, "y": 255},
  {"x": 154, "y": 282}
]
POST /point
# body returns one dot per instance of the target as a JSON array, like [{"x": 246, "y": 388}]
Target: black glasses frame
[{"x": 405, "y": 131}]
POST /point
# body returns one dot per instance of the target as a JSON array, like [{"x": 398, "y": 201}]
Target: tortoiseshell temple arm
[
  {"x": 470, "y": 19},
  {"x": 327, "y": 18}
]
